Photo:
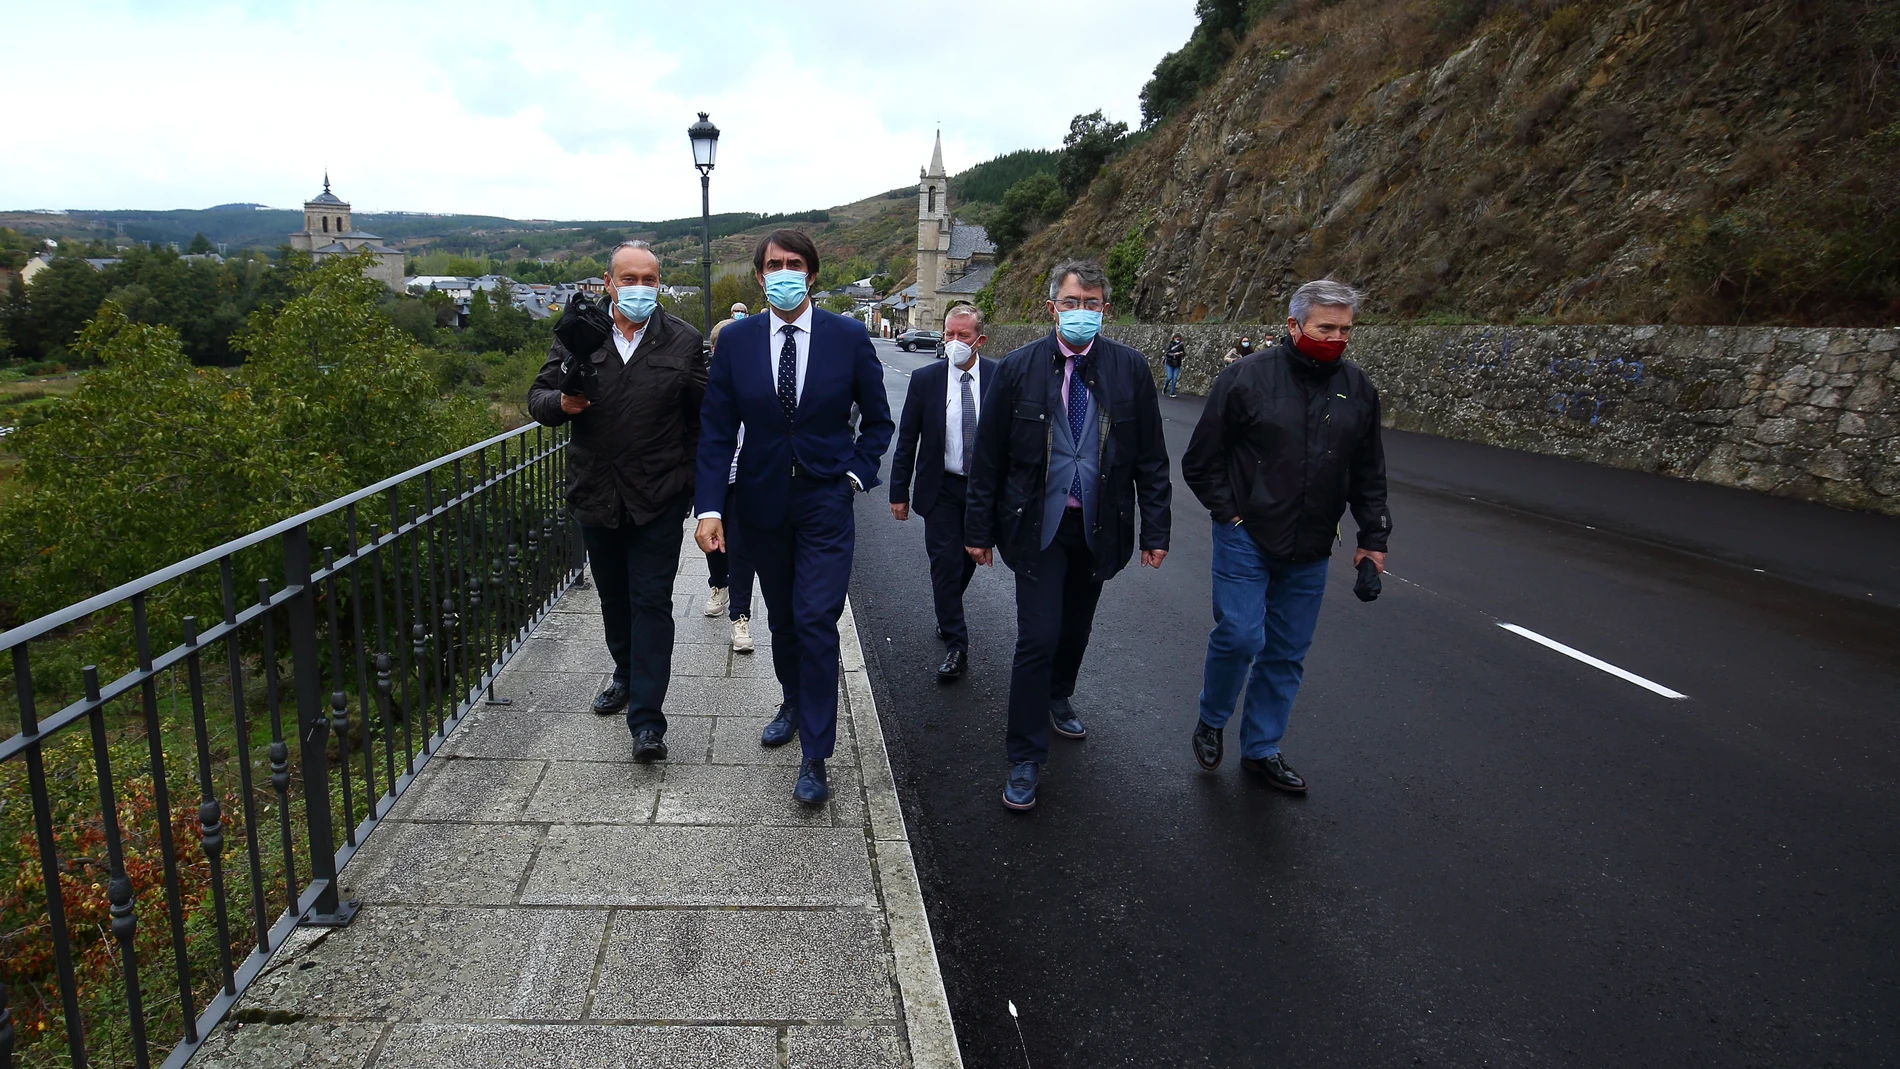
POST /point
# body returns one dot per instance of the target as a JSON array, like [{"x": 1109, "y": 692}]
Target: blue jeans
[
  {"x": 1174, "y": 379},
  {"x": 1264, "y": 614}
]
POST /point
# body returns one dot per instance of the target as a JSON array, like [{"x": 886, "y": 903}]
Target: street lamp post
[{"x": 705, "y": 138}]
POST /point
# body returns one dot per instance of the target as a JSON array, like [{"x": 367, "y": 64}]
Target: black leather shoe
[
  {"x": 1066, "y": 723},
  {"x": 780, "y": 730},
  {"x": 812, "y": 788},
  {"x": 612, "y": 700},
  {"x": 952, "y": 666},
  {"x": 1276, "y": 772},
  {"x": 1207, "y": 745},
  {"x": 648, "y": 747}
]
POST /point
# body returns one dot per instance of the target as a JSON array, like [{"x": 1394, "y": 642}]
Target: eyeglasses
[{"x": 1070, "y": 304}]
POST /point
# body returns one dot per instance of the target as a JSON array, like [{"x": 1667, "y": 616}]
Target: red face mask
[{"x": 1318, "y": 349}]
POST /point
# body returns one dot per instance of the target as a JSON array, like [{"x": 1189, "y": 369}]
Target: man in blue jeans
[{"x": 1288, "y": 441}]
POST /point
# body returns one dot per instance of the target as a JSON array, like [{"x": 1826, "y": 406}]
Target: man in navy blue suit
[
  {"x": 792, "y": 378},
  {"x": 936, "y": 437}
]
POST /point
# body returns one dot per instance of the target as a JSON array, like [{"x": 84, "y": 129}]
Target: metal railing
[{"x": 354, "y": 661}]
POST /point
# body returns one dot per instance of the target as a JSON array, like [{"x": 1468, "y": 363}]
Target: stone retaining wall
[{"x": 1810, "y": 413}]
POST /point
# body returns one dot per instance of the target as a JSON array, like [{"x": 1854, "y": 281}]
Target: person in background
[
  {"x": 1069, "y": 448},
  {"x": 792, "y": 378},
  {"x": 1242, "y": 347},
  {"x": 1286, "y": 444},
  {"x": 630, "y": 475},
  {"x": 720, "y": 570},
  {"x": 1171, "y": 359},
  {"x": 936, "y": 439}
]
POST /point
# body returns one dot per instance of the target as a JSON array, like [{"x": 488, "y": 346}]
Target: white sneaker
[
  {"x": 716, "y": 602},
  {"x": 742, "y": 635}
]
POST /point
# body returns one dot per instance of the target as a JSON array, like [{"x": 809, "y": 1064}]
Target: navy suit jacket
[
  {"x": 921, "y": 429},
  {"x": 742, "y": 387}
]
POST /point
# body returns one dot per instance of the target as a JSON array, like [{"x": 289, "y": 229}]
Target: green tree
[
  {"x": 58, "y": 304},
  {"x": 153, "y": 459},
  {"x": 199, "y": 244},
  {"x": 1183, "y": 73},
  {"x": 1030, "y": 205},
  {"x": 1091, "y": 140},
  {"x": 1123, "y": 263}
]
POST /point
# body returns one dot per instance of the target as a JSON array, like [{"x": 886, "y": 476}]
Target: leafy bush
[
  {"x": 1124, "y": 260},
  {"x": 1030, "y": 205},
  {"x": 1091, "y": 140}
]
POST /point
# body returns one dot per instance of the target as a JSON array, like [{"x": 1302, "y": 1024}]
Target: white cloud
[{"x": 569, "y": 111}]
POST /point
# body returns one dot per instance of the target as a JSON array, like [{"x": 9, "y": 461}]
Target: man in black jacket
[
  {"x": 1171, "y": 360},
  {"x": 1068, "y": 446},
  {"x": 630, "y": 471},
  {"x": 1288, "y": 441},
  {"x": 936, "y": 438}
]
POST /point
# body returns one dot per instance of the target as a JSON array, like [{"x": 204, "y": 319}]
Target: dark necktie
[
  {"x": 969, "y": 424},
  {"x": 788, "y": 371},
  {"x": 1078, "y": 416}
]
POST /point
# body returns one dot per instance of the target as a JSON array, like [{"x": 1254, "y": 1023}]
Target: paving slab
[
  {"x": 240, "y": 1044},
  {"x": 753, "y": 965},
  {"x": 504, "y": 1046},
  {"x": 570, "y": 692},
  {"x": 441, "y": 864},
  {"x": 735, "y": 794},
  {"x": 506, "y": 733},
  {"x": 659, "y": 865},
  {"x": 460, "y": 789},
  {"x": 844, "y": 1047},
  {"x": 407, "y": 962}
]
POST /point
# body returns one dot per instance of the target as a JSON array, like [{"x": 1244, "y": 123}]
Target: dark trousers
[
  {"x": 950, "y": 565},
  {"x": 1054, "y": 612},
  {"x": 728, "y": 568},
  {"x": 634, "y": 565},
  {"x": 804, "y": 569}
]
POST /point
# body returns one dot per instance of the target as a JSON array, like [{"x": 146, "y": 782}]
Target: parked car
[{"x": 912, "y": 340}]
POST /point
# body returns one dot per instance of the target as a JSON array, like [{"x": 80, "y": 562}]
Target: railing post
[{"x": 313, "y": 734}]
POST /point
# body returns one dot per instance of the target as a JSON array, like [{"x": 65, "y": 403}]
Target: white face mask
[{"x": 958, "y": 352}]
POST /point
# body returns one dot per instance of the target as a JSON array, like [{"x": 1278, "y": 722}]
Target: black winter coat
[
  {"x": 1023, "y": 409},
  {"x": 1287, "y": 444},
  {"x": 634, "y": 449}
]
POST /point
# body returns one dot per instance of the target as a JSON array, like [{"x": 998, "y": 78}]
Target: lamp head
[{"x": 705, "y": 138}]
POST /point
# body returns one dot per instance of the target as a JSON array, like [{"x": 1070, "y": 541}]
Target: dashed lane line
[{"x": 1605, "y": 666}]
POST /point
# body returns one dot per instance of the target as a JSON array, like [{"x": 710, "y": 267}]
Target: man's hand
[
  {"x": 1377, "y": 559},
  {"x": 1152, "y": 558},
  {"x": 574, "y": 404},
  {"x": 711, "y": 535},
  {"x": 900, "y": 510},
  {"x": 981, "y": 556}
]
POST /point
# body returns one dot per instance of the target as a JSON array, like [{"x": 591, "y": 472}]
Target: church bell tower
[{"x": 933, "y": 239}]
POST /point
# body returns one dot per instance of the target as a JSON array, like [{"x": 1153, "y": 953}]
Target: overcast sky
[{"x": 565, "y": 111}]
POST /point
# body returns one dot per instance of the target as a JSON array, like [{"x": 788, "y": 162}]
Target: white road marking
[{"x": 1606, "y": 666}]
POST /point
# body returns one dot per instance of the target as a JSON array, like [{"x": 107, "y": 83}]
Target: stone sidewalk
[{"x": 536, "y": 899}]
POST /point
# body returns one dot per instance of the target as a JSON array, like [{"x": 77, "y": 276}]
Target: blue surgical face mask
[
  {"x": 637, "y": 302},
  {"x": 785, "y": 289},
  {"x": 1078, "y": 326}
]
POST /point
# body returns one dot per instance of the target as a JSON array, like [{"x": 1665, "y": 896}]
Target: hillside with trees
[{"x": 1506, "y": 160}]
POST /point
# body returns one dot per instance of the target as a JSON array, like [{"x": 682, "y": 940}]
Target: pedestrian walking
[
  {"x": 1286, "y": 444},
  {"x": 936, "y": 440},
  {"x": 718, "y": 568},
  {"x": 1069, "y": 446},
  {"x": 732, "y": 573},
  {"x": 630, "y": 473},
  {"x": 1241, "y": 347},
  {"x": 1171, "y": 360},
  {"x": 792, "y": 378}
]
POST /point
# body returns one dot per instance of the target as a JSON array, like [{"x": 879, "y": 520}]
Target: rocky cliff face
[{"x": 1687, "y": 162}]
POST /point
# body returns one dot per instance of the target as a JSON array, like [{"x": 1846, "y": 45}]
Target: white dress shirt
[
  {"x": 800, "y": 338},
  {"x": 953, "y": 413},
  {"x": 625, "y": 344}
]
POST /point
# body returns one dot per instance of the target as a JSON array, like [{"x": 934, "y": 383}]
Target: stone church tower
[
  {"x": 933, "y": 240},
  {"x": 328, "y": 231}
]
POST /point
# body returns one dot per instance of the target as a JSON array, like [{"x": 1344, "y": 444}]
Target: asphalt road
[{"x": 1508, "y": 857}]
